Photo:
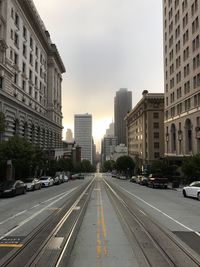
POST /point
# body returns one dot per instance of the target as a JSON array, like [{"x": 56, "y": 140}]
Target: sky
[{"x": 105, "y": 45}]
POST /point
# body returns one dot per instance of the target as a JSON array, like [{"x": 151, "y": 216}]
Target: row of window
[
  {"x": 15, "y": 36},
  {"x": 183, "y": 106}
]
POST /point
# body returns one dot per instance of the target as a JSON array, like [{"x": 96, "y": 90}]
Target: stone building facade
[
  {"x": 181, "y": 30},
  {"x": 145, "y": 130},
  {"x": 30, "y": 76}
]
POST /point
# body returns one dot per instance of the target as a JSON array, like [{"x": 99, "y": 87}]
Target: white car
[
  {"x": 65, "y": 178},
  {"x": 46, "y": 181},
  {"x": 193, "y": 190}
]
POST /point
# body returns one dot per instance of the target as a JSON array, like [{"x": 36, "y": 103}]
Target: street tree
[
  {"x": 125, "y": 164},
  {"x": 23, "y": 155},
  {"x": 191, "y": 168}
]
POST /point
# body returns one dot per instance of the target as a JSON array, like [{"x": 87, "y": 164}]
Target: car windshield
[{"x": 44, "y": 178}]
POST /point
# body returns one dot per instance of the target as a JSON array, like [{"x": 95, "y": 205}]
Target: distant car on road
[
  {"x": 192, "y": 190},
  {"x": 77, "y": 176},
  {"x": 32, "y": 184},
  {"x": 157, "y": 181},
  {"x": 12, "y": 188},
  {"x": 46, "y": 181}
]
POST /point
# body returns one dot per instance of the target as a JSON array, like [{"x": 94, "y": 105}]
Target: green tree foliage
[
  {"x": 125, "y": 164},
  {"x": 109, "y": 165},
  {"x": 191, "y": 167},
  {"x": 86, "y": 166},
  {"x": 25, "y": 157}
]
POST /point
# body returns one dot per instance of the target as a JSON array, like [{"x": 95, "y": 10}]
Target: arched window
[
  {"x": 188, "y": 136},
  {"x": 173, "y": 138}
]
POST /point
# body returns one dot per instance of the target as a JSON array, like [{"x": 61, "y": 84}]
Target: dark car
[
  {"x": 157, "y": 181},
  {"x": 32, "y": 184},
  {"x": 77, "y": 176},
  {"x": 12, "y": 188}
]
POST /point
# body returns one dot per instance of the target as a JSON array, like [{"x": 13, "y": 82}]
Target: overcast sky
[{"x": 105, "y": 45}]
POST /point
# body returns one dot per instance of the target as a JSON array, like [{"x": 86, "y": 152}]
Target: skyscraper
[
  {"x": 69, "y": 136},
  {"x": 122, "y": 105},
  {"x": 181, "y": 28},
  {"x": 83, "y": 134}
]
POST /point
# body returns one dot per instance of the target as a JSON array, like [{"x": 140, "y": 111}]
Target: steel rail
[
  {"x": 151, "y": 228},
  {"x": 54, "y": 220}
]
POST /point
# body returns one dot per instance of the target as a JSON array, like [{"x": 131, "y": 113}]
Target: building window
[
  {"x": 15, "y": 78},
  {"x": 16, "y": 40},
  {"x": 17, "y": 20},
  {"x": 24, "y": 68},
  {"x": 30, "y": 75},
  {"x": 24, "y": 50},
  {"x": 156, "y": 135},
  {"x": 24, "y": 85},
  {"x": 30, "y": 90},
  {"x": 156, "y": 125},
  {"x": 155, "y": 115},
  {"x": 31, "y": 42},
  {"x": 31, "y": 59},
  {"x": 156, "y": 145},
  {"x": 1, "y": 82},
  {"x": 36, "y": 51},
  {"x": 24, "y": 32},
  {"x": 12, "y": 13},
  {"x": 36, "y": 66},
  {"x": 16, "y": 59}
]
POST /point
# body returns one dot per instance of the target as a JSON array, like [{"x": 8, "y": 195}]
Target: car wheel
[
  {"x": 24, "y": 191},
  {"x": 184, "y": 193},
  {"x": 198, "y": 196}
]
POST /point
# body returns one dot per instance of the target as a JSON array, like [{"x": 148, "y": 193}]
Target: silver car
[{"x": 46, "y": 181}]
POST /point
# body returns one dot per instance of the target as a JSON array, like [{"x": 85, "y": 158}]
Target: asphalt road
[
  {"x": 21, "y": 214},
  {"x": 178, "y": 214},
  {"x": 101, "y": 240}
]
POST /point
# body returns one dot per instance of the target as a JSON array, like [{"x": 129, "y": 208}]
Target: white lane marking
[
  {"x": 163, "y": 213},
  {"x": 143, "y": 212},
  {"x": 35, "y": 206},
  {"x": 35, "y": 214},
  {"x": 14, "y": 216}
]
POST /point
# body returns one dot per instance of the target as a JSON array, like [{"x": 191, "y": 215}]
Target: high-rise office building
[
  {"x": 122, "y": 105},
  {"x": 69, "y": 136},
  {"x": 30, "y": 77},
  {"x": 181, "y": 26},
  {"x": 83, "y": 135}
]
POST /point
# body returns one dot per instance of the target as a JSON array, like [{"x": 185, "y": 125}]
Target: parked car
[
  {"x": 157, "y": 181},
  {"x": 139, "y": 179},
  {"x": 32, "y": 184},
  {"x": 192, "y": 190},
  {"x": 144, "y": 180},
  {"x": 56, "y": 180},
  {"x": 65, "y": 178},
  {"x": 12, "y": 188},
  {"x": 46, "y": 181},
  {"x": 133, "y": 179}
]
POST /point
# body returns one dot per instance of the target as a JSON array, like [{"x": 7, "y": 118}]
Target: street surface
[{"x": 102, "y": 239}]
